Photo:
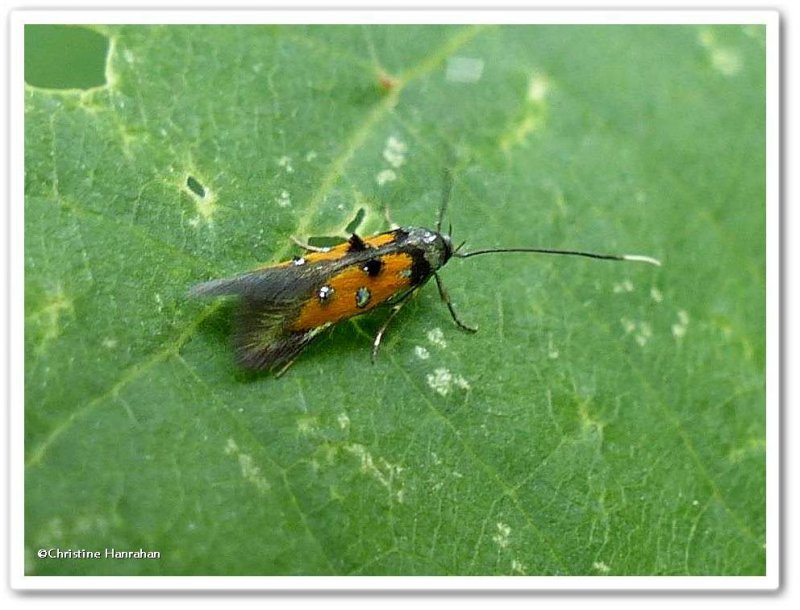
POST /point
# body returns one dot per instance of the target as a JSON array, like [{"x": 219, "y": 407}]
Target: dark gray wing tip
[{"x": 215, "y": 288}]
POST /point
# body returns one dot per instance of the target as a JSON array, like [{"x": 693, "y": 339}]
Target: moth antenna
[
  {"x": 642, "y": 259},
  {"x": 447, "y": 187},
  {"x": 638, "y": 258}
]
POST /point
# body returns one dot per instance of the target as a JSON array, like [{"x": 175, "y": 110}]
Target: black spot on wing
[
  {"x": 356, "y": 244},
  {"x": 372, "y": 267}
]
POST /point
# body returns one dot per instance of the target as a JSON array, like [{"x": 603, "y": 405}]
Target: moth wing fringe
[{"x": 262, "y": 340}]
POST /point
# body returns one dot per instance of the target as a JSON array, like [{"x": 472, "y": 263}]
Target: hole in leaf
[
  {"x": 195, "y": 186},
  {"x": 64, "y": 57},
  {"x": 356, "y": 222},
  {"x": 324, "y": 241}
]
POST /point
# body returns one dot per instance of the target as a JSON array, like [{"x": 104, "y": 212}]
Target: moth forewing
[
  {"x": 285, "y": 306},
  {"x": 270, "y": 301}
]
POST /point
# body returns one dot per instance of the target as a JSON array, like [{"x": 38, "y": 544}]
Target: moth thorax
[{"x": 435, "y": 246}]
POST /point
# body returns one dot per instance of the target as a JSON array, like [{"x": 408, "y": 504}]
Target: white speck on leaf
[
  {"x": 307, "y": 424},
  {"x": 440, "y": 381},
  {"x": 462, "y": 383},
  {"x": 624, "y": 286},
  {"x": 501, "y": 537},
  {"x": 286, "y": 163},
  {"x": 284, "y": 200},
  {"x": 436, "y": 337},
  {"x": 250, "y": 471},
  {"x": 726, "y": 61},
  {"x": 601, "y": 566},
  {"x": 395, "y": 152},
  {"x": 656, "y": 294},
  {"x": 533, "y": 116},
  {"x": 723, "y": 59},
  {"x": 680, "y": 327},
  {"x": 644, "y": 333},
  {"x": 538, "y": 88},
  {"x": 464, "y": 69},
  {"x": 384, "y": 472},
  {"x": 706, "y": 38},
  {"x": 628, "y": 325},
  {"x": 443, "y": 380},
  {"x": 421, "y": 353},
  {"x": 384, "y": 176}
]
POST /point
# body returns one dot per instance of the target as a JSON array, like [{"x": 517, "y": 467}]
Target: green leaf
[{"x": 608, "y": 418}]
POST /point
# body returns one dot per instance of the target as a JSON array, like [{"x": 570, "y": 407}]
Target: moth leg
[
  {"x": 395, "y": 310},
  {"x": 307, "y": 246},
  {"x": 446, "y": 299},
  {"x": 284, "y": 368}
]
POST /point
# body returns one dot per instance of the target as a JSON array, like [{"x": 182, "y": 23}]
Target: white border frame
[{"x": 19, "y": 580}]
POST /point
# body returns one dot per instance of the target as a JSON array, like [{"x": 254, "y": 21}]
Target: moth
[{"x": 284, "y": 306}]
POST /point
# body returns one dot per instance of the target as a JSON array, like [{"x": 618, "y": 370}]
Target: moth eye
[
  {"x": 372, "y": 267},
  {"x": 325, "y": 293},
  {"x": 363, "y": 295}
]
